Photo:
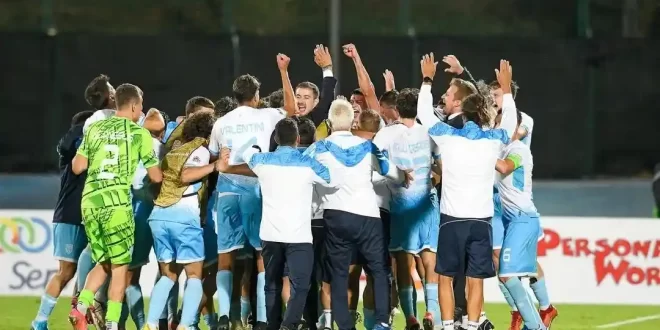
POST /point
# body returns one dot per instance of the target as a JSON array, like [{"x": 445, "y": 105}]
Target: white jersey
[
  {"x": 516, "y": 188},
  {"x": 141, "y": 173},
  {"x": 409, "y": 148},
  {"x": 98, "y": 115},
  {"x": 239, "y": 130},
  {"x": 528, "y": 124}
]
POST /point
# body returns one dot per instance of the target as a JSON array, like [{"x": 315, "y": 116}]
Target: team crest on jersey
[
  {"x": 68, "y": 248},
  {"x": 196, "y": 159}
]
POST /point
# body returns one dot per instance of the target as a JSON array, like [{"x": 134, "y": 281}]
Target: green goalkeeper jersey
[{"x": 114, "y": 147}]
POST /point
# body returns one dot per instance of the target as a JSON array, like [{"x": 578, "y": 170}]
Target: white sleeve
[
  {"x": 199, "y": 157},
  {"x": 275, "y": 115},
  {"x": 509, "y": 119},
  {"x": 425, "y": 112},
  {"x": 216, "y": 138},
  {"x": 435, "y": 149},
  {"x": 98, "y": 116},
  {"x": 527, "y": 124}
]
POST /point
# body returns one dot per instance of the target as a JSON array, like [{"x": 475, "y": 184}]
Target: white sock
[
  {"x": 448, "y": 325},
  {"x": 327, "y": 318},
  {"x": 464, "y": 321},
  {"x": 482, "y": 317},
  {"x": 472, "y": 325}
]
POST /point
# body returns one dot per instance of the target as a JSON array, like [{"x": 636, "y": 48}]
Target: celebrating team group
[{"x": 282, "y": 201}]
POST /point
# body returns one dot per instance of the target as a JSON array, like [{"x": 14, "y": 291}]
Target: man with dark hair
[
  {"x": 414, "y": 211},
  {"x": 198, "y": 103},
  {"x": 69, "y": 239},
  {"x": 286, "y": 233},
  {"x": 101, "y": 96},
  {"x": 388, "y": 106},
  {"x": 306, "y": 130},
  {"x": 239, "y": 198},
  {"x": 112, "y": 149},
  {"x": 357, "y": 97},
  {"x": 276, "y": 99},
  {"x": 224, "y": 105}
]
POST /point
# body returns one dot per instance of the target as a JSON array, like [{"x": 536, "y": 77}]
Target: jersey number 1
[{"x": 110, "y": 160}]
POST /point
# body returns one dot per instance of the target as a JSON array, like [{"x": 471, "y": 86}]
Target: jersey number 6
[{"x": 111, "y": 159}]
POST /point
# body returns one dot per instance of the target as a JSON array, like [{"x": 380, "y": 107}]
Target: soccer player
[
  {"x": 100, "y": 94},
  {"x": 415, "y": 210},
  {"x": 176, "y": 221},
  {"x": 239, "y": 198},
  {"x": 110, "y": 152},
  {"x": 69, "y": 238},
  {"x": 143, "y": 199},
  {"x": 547, "y": 311},
  {"x": 468, "y": 159},
  {"x": 521, "y": 222}
]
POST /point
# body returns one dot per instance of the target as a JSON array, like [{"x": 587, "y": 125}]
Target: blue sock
[
  {"x": 406, "y": 301},
  {"x": 246, "y": 308},
  {"x": 261, "y": 297},
  {"x": 432, "y": 304},
  {"x": 507, "y": 297},
  {"x": 173, "y": 302},
  {"x": 135, "y": 305},
  {"x": 525, "y": 305},
  {"x": 224, "y": 281},
  {"x": 85, "y": 265},
  {"x": 159, "y": 298},
  {"x": 192, "y": 296},
  {"x": 46, "y": 308},
  {"x": 369, "y": 318},
  {"x": 211, "y": 320},
  {"x": 541, "y": 292}
]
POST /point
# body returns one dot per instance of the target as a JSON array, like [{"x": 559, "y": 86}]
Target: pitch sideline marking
[{"x": 630, "y": 321}]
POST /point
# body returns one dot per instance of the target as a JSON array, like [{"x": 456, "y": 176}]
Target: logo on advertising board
[
  {"x": 24, "y": 235},
  {"x": 621, "y": 259}
]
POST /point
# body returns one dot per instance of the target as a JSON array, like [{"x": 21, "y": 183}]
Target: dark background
[{"x": 588, "y": 81}]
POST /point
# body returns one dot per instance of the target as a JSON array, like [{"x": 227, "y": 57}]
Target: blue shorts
[
  {"x": 143, "y": 239},
  {"x": 68, "y": 241},
  {"x": 210, "y": 237},
  {"x": 238, "y": 221},
  {"x": 518, "y": 254},
  {"x": 182, "y": 241},
  {"x": 416, "y": 229}
]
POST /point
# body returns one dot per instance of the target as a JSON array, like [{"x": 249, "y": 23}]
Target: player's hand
[
  {"x": 407, "y": 178},
  {"x": 350, "y": 51},
  {"x": 389, "y": 80},
  {"x": 322, "y": 56},
  {"x": 455, "y": 66},
  {"x": 283, "y": 62},
  {"x": 428, "y": 65},
  {"x": 504, "y": 76},
  {"x": 222, "y": 163}
]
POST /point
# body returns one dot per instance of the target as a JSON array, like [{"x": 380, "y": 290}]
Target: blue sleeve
[
  {"x": 320, "y": 170},
  {"x": 169, "y": 128},
  {"x": 381, "y": 160}
]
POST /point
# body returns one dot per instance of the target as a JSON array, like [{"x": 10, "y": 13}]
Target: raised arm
[
  {"x": 323, "y": 59},
  {"x": 289, "y": 96},
  {"x": 457, "y": 69},
  {"x": 364, "y": 82},
  {"x": 509, "y": 119},
  {"x": 425, "y": 112}
]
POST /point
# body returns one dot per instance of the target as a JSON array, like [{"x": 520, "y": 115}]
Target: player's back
[
  {"x": 114, "y": 148},
  {"x": 239, "y": 130},
  {"x": 409, "y": 148}
]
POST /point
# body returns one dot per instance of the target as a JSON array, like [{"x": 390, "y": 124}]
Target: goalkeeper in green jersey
[{"x": 110, "y": 152}]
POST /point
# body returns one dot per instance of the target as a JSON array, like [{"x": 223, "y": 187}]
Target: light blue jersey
[{"x": 414, "y": 210}]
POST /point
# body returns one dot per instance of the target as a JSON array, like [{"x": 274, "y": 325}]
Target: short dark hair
[
  {"x": 310, "y": 85},
  {"x": 80, "y": 117},
  {"x": 166, "y": 117},
  {"x": 306, "y": 130},
  {"x": 369, "y": 121},
  {"x": 389, "y": 98},
  {"x": 357, "y": 91},
  {"x": 245, "y": 88},
  {"x": 224, "y": 105},
  {"x": 127, "y": 93},
  {"x": 464, "y": 88},
  {"x": 286, "y": 132},
  {"x": 406, "y": 103},
  {"x": 197, "y": 102},
  {"x": 276, "y": 99},
  {"x": 514, "y": 87},
  {"x": 199, "y": 124},
  {"x": 97, "y": 92}
]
